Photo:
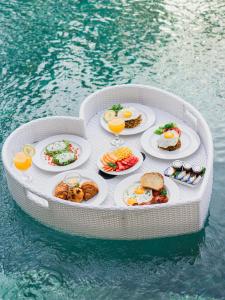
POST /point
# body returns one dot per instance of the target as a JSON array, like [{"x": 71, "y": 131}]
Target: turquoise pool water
[{"x": 53, "y": 54}]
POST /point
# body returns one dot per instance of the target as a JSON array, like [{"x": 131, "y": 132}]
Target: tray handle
[{"x": 43, "y": 203}]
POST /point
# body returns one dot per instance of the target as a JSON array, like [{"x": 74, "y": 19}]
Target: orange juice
[
  {"x": 22, "y": 162},
  {"x": 116, "y": 125}
]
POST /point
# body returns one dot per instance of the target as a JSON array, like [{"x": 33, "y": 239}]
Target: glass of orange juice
[
  {"x": 116, "y": 125},
  {"x": 23, "y": 162}
]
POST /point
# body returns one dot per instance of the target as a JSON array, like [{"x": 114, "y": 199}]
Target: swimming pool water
[{"x": 53, "y": 54}]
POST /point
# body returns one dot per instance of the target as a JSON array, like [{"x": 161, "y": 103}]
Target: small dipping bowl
[{"x": 72, "y": 179}]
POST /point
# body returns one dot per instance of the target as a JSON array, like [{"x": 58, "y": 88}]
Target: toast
[
  {"x": 152, "y": 181},
  {"x": 172, "y": 148}
]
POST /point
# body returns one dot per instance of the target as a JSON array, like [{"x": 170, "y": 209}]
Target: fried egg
[
  {"x": 128, "y": 113},
  {"x": 168, "y": 138},
  {"x": 136, "y": 194}
]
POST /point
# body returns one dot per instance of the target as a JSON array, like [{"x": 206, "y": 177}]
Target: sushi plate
[
  {"x": 121, "y": 188},
  {"x": 148, "y": 119},
  {"x": 83, "y": 151},
  {"x": 190, "y": 143}
]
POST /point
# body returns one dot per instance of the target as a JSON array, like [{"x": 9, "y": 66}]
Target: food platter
[
  {"x": 108, "y": 218},
  {"x": 85, "y": 176},
  {"x": 190, "y": 143},
  {"x": 172, "y": 189},
  {"x": 136, "y": 153},
  {"x": 42, "y": 161},
  {"x": 148, "y": 119}
]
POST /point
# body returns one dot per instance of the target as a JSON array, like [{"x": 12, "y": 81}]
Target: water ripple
[{"x": 53, "y": 54}]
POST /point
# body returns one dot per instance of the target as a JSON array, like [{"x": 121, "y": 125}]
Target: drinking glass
[
  {"x": 116, "y": 126},
  {"x": 23, "y": 162}
]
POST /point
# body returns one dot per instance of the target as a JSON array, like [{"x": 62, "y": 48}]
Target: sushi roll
[
  {"x": 64, "y": 158},
  {"x": 177, "y": 165},
  {"x": 187, "y": 167},
  {"x": 191, "y": 179},
  {"x": 197, "y": 180},
  {"x": 181, "y": 175},
  {"x": 169, "y": 172},
  {"x": 186, "y": 177},
  {"x": 57, "y": 147},
  {"x": 197, "y": 169}
]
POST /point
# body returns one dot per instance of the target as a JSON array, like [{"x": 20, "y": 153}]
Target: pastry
[
  {"x": 90, "y": 189},
  {"x": 61, "y": 191},
  {"x": 75, "y": 194}
]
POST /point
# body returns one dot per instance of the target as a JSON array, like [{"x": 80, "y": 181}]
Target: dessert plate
[
  {"x": 85, "y": 176},
  {"x": 148, "y": 119},
  {"x": 121, "y": 188},
  {"x": 190, "y": 143},
  {"x": 42, "y": 161}
]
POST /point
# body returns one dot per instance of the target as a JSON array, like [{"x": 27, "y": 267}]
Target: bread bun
[{"x": 152, "y": 181}]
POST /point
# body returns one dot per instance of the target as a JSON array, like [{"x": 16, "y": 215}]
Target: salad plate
[
  {"x": 174, "y": 142},
  {"x": 61, "y": 153},
  {"x": 120, "y": 161},
  {"x": 89, "y": 183},
  {"x": 130, "y": 187},
  {"x": 137, "y": 117}
]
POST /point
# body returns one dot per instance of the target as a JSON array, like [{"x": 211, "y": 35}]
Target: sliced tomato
[{"x": 177, "y": 130}]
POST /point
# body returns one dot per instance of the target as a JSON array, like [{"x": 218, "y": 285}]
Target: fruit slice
[
  {"x": 132, "y": 201},
  {"x": 109, "y": 115},
  {"x": 29, "y": 150}
]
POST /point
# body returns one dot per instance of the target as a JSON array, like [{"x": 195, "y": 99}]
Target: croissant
[
  {"x": 90, "y": 189},
  {"x": 61, "y": 191}
]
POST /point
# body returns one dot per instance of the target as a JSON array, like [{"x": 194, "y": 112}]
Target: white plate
[
  {"x": 132, "y": 169},
  {"x": 42, "y": 163},
  {"x": 190, "y": 143},
  {"x": 85, "y": 176},
  {"x": 148, "y": 119},
  {"x": 172, "y": 189}
]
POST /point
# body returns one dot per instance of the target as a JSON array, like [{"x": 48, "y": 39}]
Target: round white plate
[
  {"x": 148, "y": 119},
  {"x": 172, "y": 190},
  {"x": 85, "y": 176},
  {"x": 132, "y": 169},
  {"x": 190, "y": 143},
  {"x": 82, "y": 144}
]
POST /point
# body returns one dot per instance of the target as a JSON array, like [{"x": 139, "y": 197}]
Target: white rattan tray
[{"x": 107, "y": 220}]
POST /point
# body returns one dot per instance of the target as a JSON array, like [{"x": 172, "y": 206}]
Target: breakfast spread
[
  {"x": 61, "y": 153},
  {"x": 185, "y": 173},
  {"x": 74, "y": 190},
  {"x": 169, "y": 139},
  {"x": 149, "y": 190},
  {"x": 131, "y": 116},
  {"x": 118, "y": 160}
]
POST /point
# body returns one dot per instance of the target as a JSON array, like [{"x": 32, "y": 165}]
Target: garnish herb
[
  {"x": 112, "y": 165},
  {"x": 161, "y": 129},
  {"x": 176, "y": 173},
  {"x": 203, "y": 171},
  {"x": 163, "y": 192},
  {"x": 116, "y": 108}
]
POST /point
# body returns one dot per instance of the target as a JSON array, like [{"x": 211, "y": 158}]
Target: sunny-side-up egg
[
  {"x": 136, "y": 194},
  {"x": 168, "y": 138},
  {"x": 128, "y": 113}
]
